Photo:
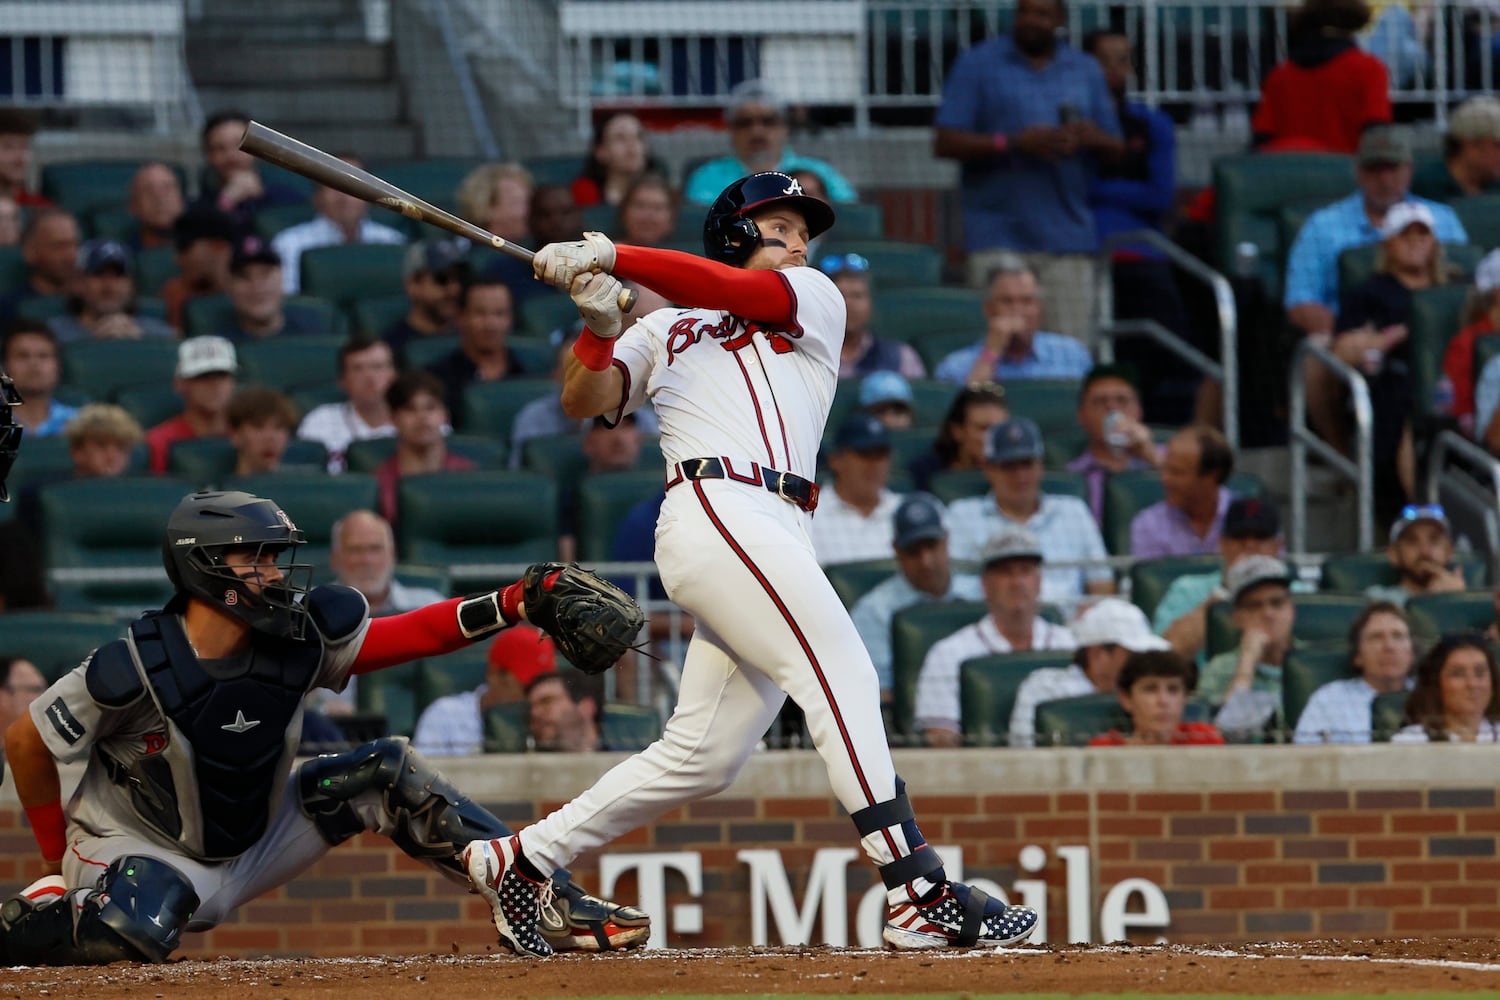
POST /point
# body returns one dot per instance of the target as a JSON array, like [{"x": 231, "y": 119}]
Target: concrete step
[
  {"x": 293, "y": 62},
  {"x": 214, "y": 11},
  {"x": 253, "y": 29},
  {"x": 354, "y": 103},
  {"x": 375, "y": 141}
]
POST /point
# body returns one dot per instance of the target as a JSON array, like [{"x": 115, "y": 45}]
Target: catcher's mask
[
  {"x": 10, "y": 431},
  {"x": 266, "y": 587},
  {"x": 730, "y": 236}
]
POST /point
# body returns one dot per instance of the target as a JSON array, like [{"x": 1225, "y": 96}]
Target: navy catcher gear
[
  {"x": 10, "y": 431},
  {"x": 730, "y": 236}
]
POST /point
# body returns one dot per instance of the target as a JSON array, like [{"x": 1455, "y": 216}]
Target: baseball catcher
[{"x": 190, "y": 806}]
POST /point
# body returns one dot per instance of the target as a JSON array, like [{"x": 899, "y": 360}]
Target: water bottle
[
  {"x": 1115, "y": 434},
  {"x": 1246, "y": 259},
  {"x": 1442, "y": 396}
]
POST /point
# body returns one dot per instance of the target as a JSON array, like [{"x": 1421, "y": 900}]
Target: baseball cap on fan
[
  {"x": 1015, "y": 440},
  {"x": 1476, "y": 118},
  {"x": 1403, "y": 214},
  {"x": 205, "y": 356},
  {"x": 433, "y": 257},
  {"x": 524, "y": 652},
  {"x": 1252, "y": 571},
  {"x": 1116, "y": 622},
  {"x": 96, "y": 255},
  {"x": 252, "y": 250},
  {"x": 918, "y": 519},
  {"x": 1384, "y": 145},
  {"x": 1013, "y": 543},
  {"x": 1487, "y": 274}
]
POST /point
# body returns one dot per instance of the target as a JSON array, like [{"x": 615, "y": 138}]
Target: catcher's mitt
[{"x": 592, "y": 621}]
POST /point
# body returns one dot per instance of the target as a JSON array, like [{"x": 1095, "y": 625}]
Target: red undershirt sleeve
[
  {"x": 428, "y": 631},
  {"x": 697, "y": 283}
]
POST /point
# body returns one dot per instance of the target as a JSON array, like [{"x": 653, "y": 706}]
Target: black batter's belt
[{"x": 791, "y": 488}]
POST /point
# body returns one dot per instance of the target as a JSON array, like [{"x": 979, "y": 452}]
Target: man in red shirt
[{"x": 206, "y": 367}]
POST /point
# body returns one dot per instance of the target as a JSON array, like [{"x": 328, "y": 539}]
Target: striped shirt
[
  {"x": 1064, "y": 526},
  {"x": 1338, "y": 712},
  {"x": 842, "y": 534},
  {"x": 1047, "y": 684},
  {"x": 937, "y": 685}
]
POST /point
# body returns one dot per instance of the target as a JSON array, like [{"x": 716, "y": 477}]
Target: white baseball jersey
[{"x": 726, "y": 387}]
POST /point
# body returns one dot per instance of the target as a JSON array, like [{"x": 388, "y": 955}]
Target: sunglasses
[
  {"x": 750, "y": 121},
  {"x": 844, "y": 263},
  {"x": 1422, "y": 512}
]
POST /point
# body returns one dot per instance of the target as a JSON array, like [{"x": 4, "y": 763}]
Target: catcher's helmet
[
  {"x": 207, "y": 526},
  {"x": 731, "y": 236},
  {"x": 10, "y": 431}
]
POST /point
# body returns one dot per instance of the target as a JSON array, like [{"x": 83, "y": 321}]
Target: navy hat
[
  {"x": 1013, "y": 440},
  {"x": 253, "y": 250},
  {"x": 202, "y": 223},
  {"x": 862, "y": 432},
  {"x": 1251, "y": 517},
  {"x": 95, "y": 255},
  {"x": 433, "y": 257},
  {"x": 919, "y": 518}
]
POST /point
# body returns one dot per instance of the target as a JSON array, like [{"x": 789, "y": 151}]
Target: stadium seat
[
  {"x": 490, "y": 408},
  {"x": 1250, "y": 190},
  {"x": 352, "y": 270},
  {"x": 123, "y": 599},
  {"x": 12, "y": 267},
  {"x": 367, "y": 455},
  {"x": 505, "y": 728},
  {"x": 150, "y": 404},
  {"x": 1306, "y": 670},
  {"x": 308, "y": 397},
  {"x": 913, "y": 314},
  {"x": 987, "y": 692},
  {"x": 1322, "y": 621},
  {"x": 1051, "y": 403},
  {"x": 1062, "y": 445},
  {"x": 1126, "y": 494},
  {"x": 375, "y": 314},
  {"x": 541, "y": 315},
  {"x": 272, "y": 220},
  {"x": 428, "y": 577},
  {"x": 391, "y": 693},
  {"x": 603, "y": 502},
  {"x": 57, "y": 641},
  {"x": 40, "y": 460},
  {"x": 958, "y": 484},
  {"x": 82, "y": 186},
  {"x": 1072, "y": 722},
  {"x": 1357, "y": 264},
  {"x": 106, "y": 366},
  {"x": 314, "y": 503},
  {"x": 154, "y": 268},
  {"x": 423, "y": 351},
  {"x": 1480, "y": 215},
  {"x": 561, "y": 169},
  {"x": 113, "y": 222},
  {"x": 107, "y": 523},
  {"x": 1356, "y": 572},
  {"x": 1433, "y": 615},
  {"x": 894, "y": 264},
  {"x": 630, "y": 728},
  {"x": 602, "y": 218},
  {"x": 936, "y": 346},
  {"x": 1388, "y": 715},
  {"x": 913, "y": 632},
  {"x": 535, "y": 356},
  {"x": 287, "y": 362},
  {"x": 41, "y": 308},
  {"x": 474, "y": 518},
  {"x": 205, "y": 462},
  {"x": 1436, "y": 315},
  {"x": 854, "y": 580},
  {"x": 434, "y": 179},
  {"x": 461, "y": 670},
  {"x": 1150, "y": 578},
  {"x": 859, "y": 220},
  {"x": 270, "y": 173},
  {"x": 215, "y": 314}
]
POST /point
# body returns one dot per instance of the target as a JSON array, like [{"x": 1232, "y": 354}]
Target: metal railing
[
  {"x": 1226, "y": 370},
  {"x": 1478, "y": 502},
  {"x": 1304, "y": 439}
]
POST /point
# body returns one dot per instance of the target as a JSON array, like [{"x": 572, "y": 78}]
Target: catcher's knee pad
[
  {"x": 429, "y": 818},
  {"x": 922, "y": 862},
  {"x": 136, "y": 913}
]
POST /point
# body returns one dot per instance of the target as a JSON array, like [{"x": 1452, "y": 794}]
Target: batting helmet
[
  {"x": 731, "y": 236},
  {"x": 10, "y": 431},
  {"x": 206, "y": 527}
]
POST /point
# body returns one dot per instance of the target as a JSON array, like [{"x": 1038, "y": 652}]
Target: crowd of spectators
[{"x": 943, "y": 478}]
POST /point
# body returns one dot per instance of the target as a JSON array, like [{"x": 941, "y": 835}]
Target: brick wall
[{"x": 1339, "y": 851}]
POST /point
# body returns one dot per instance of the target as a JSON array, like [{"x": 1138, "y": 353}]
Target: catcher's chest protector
[{"x": 231, "y": 736}]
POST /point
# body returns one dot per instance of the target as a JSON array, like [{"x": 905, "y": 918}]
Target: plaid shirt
[
  {"x": 1047, "y": 684},
  {"x": 841, "y": 534},
  {"x": 1065, "y": 527},
  {"x": 1338, "y": 712},
  {"x": 1052, "y": 355}
]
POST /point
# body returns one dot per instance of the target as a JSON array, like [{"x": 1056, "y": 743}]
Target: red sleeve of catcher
[
  {"x": 706, "y": 284},
  {"x": 429, "y": 631}
]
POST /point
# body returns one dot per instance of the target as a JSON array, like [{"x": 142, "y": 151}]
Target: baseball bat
[{"x": 330, "y": 171}]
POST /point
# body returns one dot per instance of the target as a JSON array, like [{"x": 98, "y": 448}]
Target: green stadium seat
[
  {"x": 40, "y": 460},
  {"x": 374, "y": 315},
  {"x": 149, "y": 404},
  {"x": 1357, "y": 264},
  {"x": 270, "y": 173},
  {"x": 859, "y": 220},
  {"x": 913, "y": 632},
  {"x": 536, "y": 356},
  {"x": 12, "y": 268},
  {"x": 1062, "y": 445},
  {"x": 427, "y": 577},
  {"x": 505, "y": 728},
  {"x": 154, "y": 268},
  {"x": 353, "y": 270},
  {"x": 958, "y": 484},
  {"x": 1388, "y": 715},
  {"x": 1480, "y": 215},
  {"x": 435, "y": 179},
  {"x": 308, "y": 397},
  {"x": 913, "y": 314},
  {"x": 987, "y": 692},
  {"x": 604, "y": 500},
  {"x": 103, "y": 367},
  {"x": 1356, "y": 572},
  {"x": 854, "y": 580},
  {"x": 1442, "y": 614},
  {"x": 41, "y": 308},
  {"x": 57, "y": 641},
  {"x": 440, "y": 676},
  {"x": 1150, "y": 578},
  {"x": 1251, "y": 189},
  {"x": 934, "y": 347},
  {"x": 314, "y": 503},
  {"x": 215, "y": 314},
  {"x": 602, "y": 218},
  {"x": 629, "y": 728},
  {"x": 391, "y": 693},
  {"x": 119, "y": 598},
  {"x": 1072, "y": 722},
  {"x": 540, "y": 315},
  {"x": 1322, "y": 621},
  {"x": 562, "y": 169},
  {"x": 894, "y": 264},
  {"x": 287, "y": 362},
  {"x": 272, "y": 220},
  {"x": 423, "y": 351},
  {"x": 490, "y": 408},
  {"x": 83, "y": 186},
  {"x": 1126, "y": 494},
  {"x": 1436, "y": 315},
  {"x": 1052, "y": 403},
  {"x": 476, "y": 518},
  {"x": 1306, "y": 670},
  {"x": 205, "y": 462},
  {"x": 367, "y": 455},
  {"x": 106, "y": 523},
  {"x": 113, "y": 222}
]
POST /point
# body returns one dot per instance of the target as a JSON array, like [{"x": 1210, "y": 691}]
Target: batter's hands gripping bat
[{"x": 330, "y": 171}]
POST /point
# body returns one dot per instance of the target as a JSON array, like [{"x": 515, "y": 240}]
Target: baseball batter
[
  {"x": 742, "y": 379},
  {"x": 189, "y": 805}
]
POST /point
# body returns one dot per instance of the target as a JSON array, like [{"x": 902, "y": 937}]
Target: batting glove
[
  {"x": 598, "y": 299},
  {"x": 559, "y": 263}
]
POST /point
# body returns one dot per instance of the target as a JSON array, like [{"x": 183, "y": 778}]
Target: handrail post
[
  {"x": 1450, "y": 442},
  {"x": 1302, "y": 440}
]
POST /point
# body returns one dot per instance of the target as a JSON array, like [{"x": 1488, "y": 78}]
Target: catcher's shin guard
[
  {"x": 136, "y": 913},
  {"x": 922, "y": 862},
  {"x": 431, "y": 819}
]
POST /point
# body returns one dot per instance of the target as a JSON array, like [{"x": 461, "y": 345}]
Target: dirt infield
[{"x": 1308, "y": 967}]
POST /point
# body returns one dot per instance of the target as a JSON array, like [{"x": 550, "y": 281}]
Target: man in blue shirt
[
  {"x": 1013, "y": 347},
  {"x": 1026, "y": 116},
  {"x": 757, "y": 131}
]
